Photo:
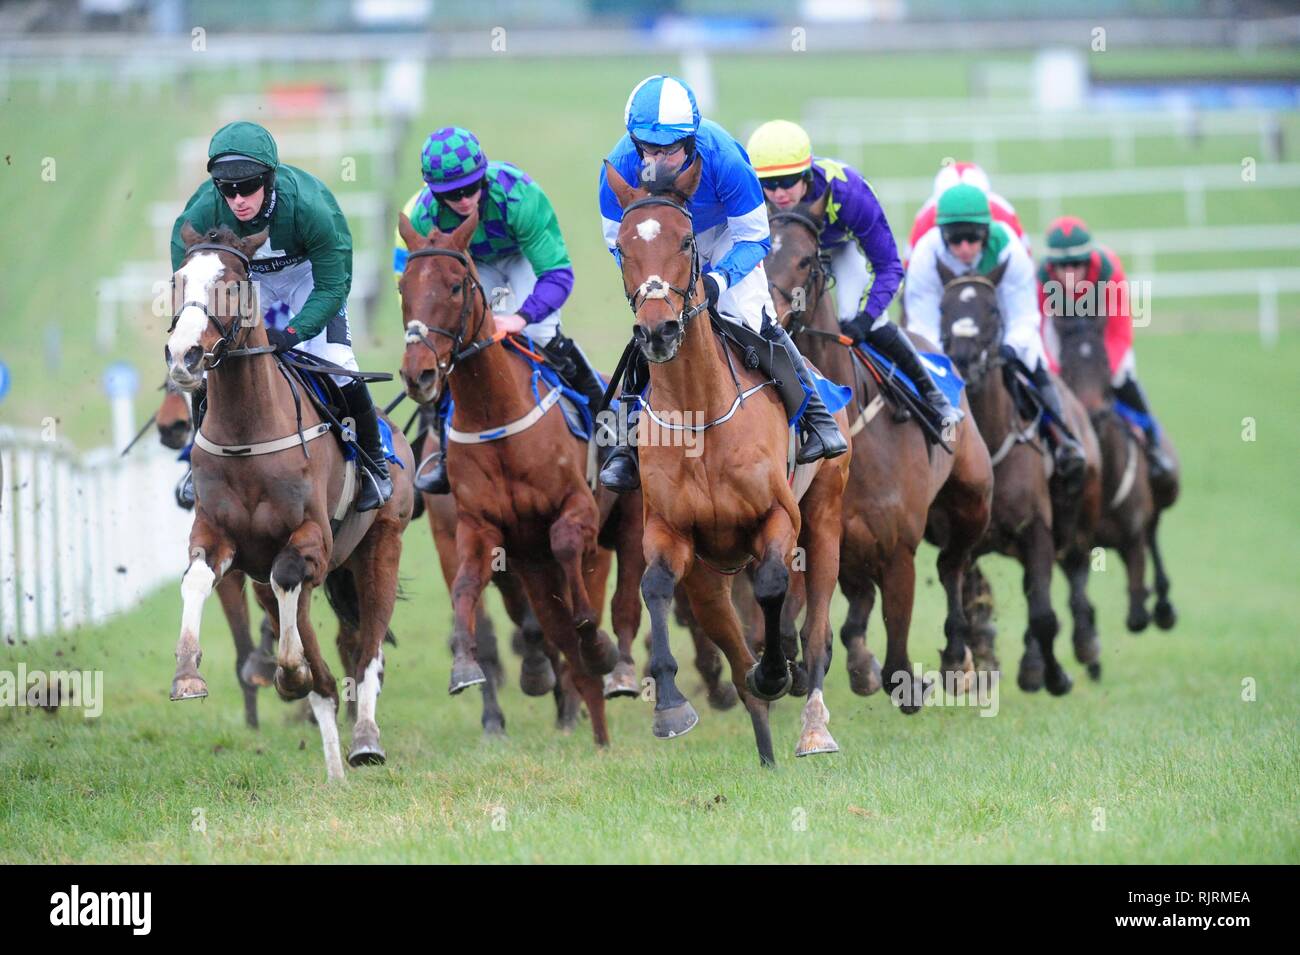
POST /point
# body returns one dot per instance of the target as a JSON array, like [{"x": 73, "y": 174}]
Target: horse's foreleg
[
  {"x": 821, "y": 538},
  {"x": 474, "y": 548},
  {"x": 625, "y": 610},
  {"x": 977, "y": 602},
  {"x": 862, "y": 666},
  {"x": 666, "y": 556},
  {"x": 898, "y": 593},
  {"x": 770, "y": 679},
  {"x": 1165, "y": 615},
  {"x": 572, "y": 538},
  {"x": 1087, "y": 647},
  {"x": 1039, "y": 664},
  {"x": 210, "y": 557},
  {"x": 796, "y": 598},
  {"x": 302, "y": 562},
  {"x": 234, "y": 603},
  {"x": 324, "y": 692},
  {"x": 1134, "y": 552},
  {"x": 375, "y": 578}
]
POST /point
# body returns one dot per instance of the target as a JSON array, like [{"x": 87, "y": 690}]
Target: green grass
[{"x": 1184, "y": 769}]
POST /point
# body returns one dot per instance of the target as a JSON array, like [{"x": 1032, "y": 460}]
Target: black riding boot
[
  {"x": 573, "y": 366},
  {"x": 1133, "y": 395},
  {"x": 620, "y": 470},
  {"x": 435, "y": 480},
  {"x": 894, "y": 344},
  {"x": 378, "y": 486},
  {"x": 185, "y": 487},
  {"x": 1067, "y": 452},
  {"x": 822, "y": 437}
]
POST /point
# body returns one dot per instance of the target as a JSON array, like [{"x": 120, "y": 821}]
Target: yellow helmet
[{"x": 780, "y": 148}]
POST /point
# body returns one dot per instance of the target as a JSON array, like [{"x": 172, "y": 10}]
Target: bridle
[
  {"x": 990, "y": 356},
  {"x": 418, "y": 332},
  {"x": 222, "y": 349},
  {"x": 817, "y": 273},
  {"x": 654, "y": 286}
]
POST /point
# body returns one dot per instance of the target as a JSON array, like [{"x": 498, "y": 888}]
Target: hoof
[
  {"x": 815, "y": 741},
  {"x": 1031, "y": 675},
  {"x": 1059, "y": 683},
  {"x": 1087, "y": 650},
  {"x": 464, "y": 675},
  {"x": 622, "y": 682},
  {"x": 494, "y": 729},
  {"x": 294, "y": 684},
  {"x": 864, "y": 671},
  {"x": 723, "y": 696},
  {"x": 598, "y": 653},
  {"x": 675, "y": 720},
  {"x": 189, "y": 688},
  {"x": 958, "y": 678},
  {"x": 798, "y": 679},
  {"x": 908, "y": 693},
  {"x": 365, "y": 750},
  {"x": 1166, "y": 616},
  {"x": 1138, "y": 619},
  {"x": 258, "y": 669},
  {"x": 765, "y": 691},
  {"x": 1094, "y": 671},
  {"x": 536, "y": 675}
]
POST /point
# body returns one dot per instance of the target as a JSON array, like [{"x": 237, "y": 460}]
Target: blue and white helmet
[{"x": 661, "y": 110}]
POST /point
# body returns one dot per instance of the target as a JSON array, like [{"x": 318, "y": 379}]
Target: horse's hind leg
[
  {"x": 324, "y": 693},
  {"x": 373, "y": 572},
  {"x": 1087, "y": 646},
  {"x": 234, "y": 603},
  {"x": 1165, "y": 615},
  {"x": 770, "y": 679},
  {"x": 862, "y": 665},
  {"x": 210, "y": 558},
  {"x": 625, "y": 611},
  {"x": 822, "y": 544},
  {"x": 977, "y": 602},
  {"x": 493, "y": 720},
  {"x": 1134, "y": 552},
  {"x": 898, "y": 591},
  {"x": 1039, "y": 664},
  {"x": 571, "y": 538},
  {"x": 259, "y": 668},
  {"x": 796, "y": 598},
  {"x": 537, "y": 675},
  {"x": 298, "y": 564},
  {"x": 474, "y": 550}
]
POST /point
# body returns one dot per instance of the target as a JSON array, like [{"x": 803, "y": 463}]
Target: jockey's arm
[
  {"x": 200, "y": 213},
  {"x": 537, "y": 231},
  {"x": 324, "y": 232},
  {"x": 923, "y": 290},
  {"x": 862, "y": 211},
  {"x": 611, "y": 214},
  {"x": 1119, "y": 316},
  {"x": 1018, "y": 302},
  {"x": 742, "y": 197}
]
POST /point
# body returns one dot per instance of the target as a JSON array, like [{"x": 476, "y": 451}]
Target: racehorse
[
  {"x": 265, "y": 499},
  {"x": 1025, "y": 512},
  {"x": 896, "y": 479},
  {"x": 1132, "y": 502},
  {"x": 522, "y": 497},
  {"x": 711, "y": 514}
]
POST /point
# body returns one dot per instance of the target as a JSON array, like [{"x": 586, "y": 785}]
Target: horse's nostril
[
  {"x": 193, "y": 356},
  {"x": 670, "y": 329},
  {"x": 167, "y": 354}
]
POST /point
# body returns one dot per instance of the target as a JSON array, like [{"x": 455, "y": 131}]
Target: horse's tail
[{"x": 341, "y": 592}]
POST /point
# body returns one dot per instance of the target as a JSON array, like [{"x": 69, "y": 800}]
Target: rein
[
  {"x": 654, "y": 286},
  {"x": 417, "y": 331}
]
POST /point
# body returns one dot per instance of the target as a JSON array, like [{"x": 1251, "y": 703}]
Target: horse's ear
[
  {"x": 254, "y": 242},
  {"x": 465, "y": 231},
  {"x": 688, "y": 180},
  {"x": 625, "y": 194},
  {"x": 996, "y": 275},
  {"x": 188, "y": 235},
  {"x": 817, "y": 211},
  {"x": 946, "y": 274},
  {"x": 410, "y": 235}
]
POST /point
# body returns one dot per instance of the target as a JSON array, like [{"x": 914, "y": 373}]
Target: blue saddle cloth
[
  {"x": 350, "y": 447},
  {"x": 833, "y": 395},
  {"x": 938, "y": 364},
  {"x": 1133, "y": 416}
]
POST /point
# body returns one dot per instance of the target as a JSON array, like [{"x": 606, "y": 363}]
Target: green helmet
[
  {"x": 1068, "y": 240},
  {"x": 963, "y": 203},
  {"x": 452, "y": 158}
]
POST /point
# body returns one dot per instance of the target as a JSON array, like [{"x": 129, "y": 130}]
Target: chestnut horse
[
  {"x": 895, "y": 481},
  {"x": 730, "y": 504},
  {"x": 1024, "y": 511},
  {"x": 522, "y": 497},
  {"x": 1132, "y": 502},
  {"x": 264, "y": 504}
]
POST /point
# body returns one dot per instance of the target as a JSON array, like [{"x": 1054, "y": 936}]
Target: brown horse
[
  {"x": 710, "y": 514},
  {"x": 1024, "y": 511},
  {"x": 1132, "y": 502},
  {"x": 897, "y": 478},
  {"x": 522, "y": 497},
  {"x": 264, "y": 505}
]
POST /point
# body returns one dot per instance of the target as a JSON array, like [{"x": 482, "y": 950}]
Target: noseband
[
  {"x": 418, "y": 332},
  {"x": 222, "y": 349},
  {"x": 654, "y": 286}
]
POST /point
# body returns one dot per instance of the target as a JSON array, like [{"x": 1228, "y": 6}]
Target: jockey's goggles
[
  {"x": 781, "y": 182},
  {"x": 242, "y": 187},
  {"x": 959, "y": 232}
]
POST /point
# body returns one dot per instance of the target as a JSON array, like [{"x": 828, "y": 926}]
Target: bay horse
[
  {"x": 265, "y": 499},
  {"x": 710, "y": 515},
  {"x": 1132, "y": 502},
  {"x": 522, "y": 498},
  {"x": 1025, "y": 512},
  {"x": 898, "y": 482}
]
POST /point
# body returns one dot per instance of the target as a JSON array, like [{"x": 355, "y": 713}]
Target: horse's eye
[
  {"x": 686, "y": 244},
  {"x": 455, "y": 289},
  {"x": 805, "y": 262}
]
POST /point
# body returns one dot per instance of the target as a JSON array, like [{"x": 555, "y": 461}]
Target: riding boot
[
  {"x": 894, "y": 344},
  {"x": 620, "y": 470},
  {"x": 185, "y": 487},
  {"x": 1133, "y": 395},
  {"x": 822, "y": 437},
  {"x": 378, "y": 488},
  {"x": 1066, "y": 450},
  {"x": 573, "y": 366},
  {"x": 435, "y": 480}
]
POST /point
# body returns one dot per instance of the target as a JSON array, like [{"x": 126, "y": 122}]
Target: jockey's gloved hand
[
  {"x": 857, "y": 328},
  {"x": 711, "y": 289},
  {"x": 282, "y": 338}
]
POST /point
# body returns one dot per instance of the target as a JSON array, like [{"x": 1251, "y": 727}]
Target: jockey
[
  {"x": 303, "y": 272},
  {"x": 968, "y": 240},
  {"x": 949, "y": 175},
  {"x": 731, "y": 235},
  {"x": 517, "y": 249},
  {"x": 856, "y": 232},
  {"x": 1073, "y": 268}
]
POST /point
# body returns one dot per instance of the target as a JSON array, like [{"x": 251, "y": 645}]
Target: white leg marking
[
  {"x": 368, "y": 691},
  {"x": 323, "y": 709},
  {"x": 195, "y": 587},
  {"x": 290, "y": 656}
]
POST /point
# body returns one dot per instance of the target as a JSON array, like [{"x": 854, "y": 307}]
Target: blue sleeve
[{"x": 742, "y": 197}]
